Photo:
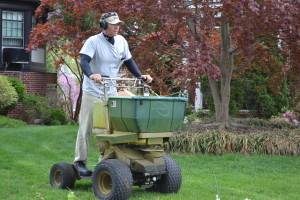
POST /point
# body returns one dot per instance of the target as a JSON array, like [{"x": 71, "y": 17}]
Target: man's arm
[
  {"x": 132, "y": 67},
  {"x": 86, "y": 68},
  {"x": 85, "y": 65}
]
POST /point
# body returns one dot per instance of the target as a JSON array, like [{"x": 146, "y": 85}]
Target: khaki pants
[{"x": 85, "y": 127}]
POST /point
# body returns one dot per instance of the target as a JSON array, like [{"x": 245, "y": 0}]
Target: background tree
[
  {"x": 177, "y": 41},
  {"x": 68, "y": 24},
  {"x": 69, "y": 91},
  {"x": 185, "y": 32}
]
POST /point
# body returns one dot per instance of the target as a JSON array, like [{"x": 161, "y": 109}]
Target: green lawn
[{"x": 27, "y": 154}]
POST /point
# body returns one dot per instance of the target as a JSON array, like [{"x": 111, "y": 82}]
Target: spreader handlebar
[
  {"x": 123, "y": 82},
  {"x": 133, "y": 83}
]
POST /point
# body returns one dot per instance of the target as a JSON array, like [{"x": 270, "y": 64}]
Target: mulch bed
[{"x": 200, "y": 127}]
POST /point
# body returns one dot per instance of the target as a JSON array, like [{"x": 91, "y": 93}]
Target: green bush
[
  {"x": 191, "y": 117},
  {"x": 56, "y": 116},
  {"x": 35, "y": 107},
  {"x": 297, "y": 111},
  {"x": 252, "y": 91},
  {"x": 21, "y": 91},
  {"x": 19, "y": 87},
  {"x": 8, "y": 94},
  {"x": 261, "y": 95},
  {"x": 38, "y": 107},
  {"x": 6, "y": 122},
  {"x": 189, "y": 109}
]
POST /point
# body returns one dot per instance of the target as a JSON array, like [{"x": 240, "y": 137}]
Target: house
[{"x": 16, "y": 21}]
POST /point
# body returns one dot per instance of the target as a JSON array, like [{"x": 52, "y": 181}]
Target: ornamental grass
[{"x": 221, "y": 142}]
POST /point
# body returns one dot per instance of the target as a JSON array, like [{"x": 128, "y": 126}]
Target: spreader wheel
[
  {"x": 169, "y": 182},
  {"x": 112, "y": 179},
  {"x": 62, "y": 175}
]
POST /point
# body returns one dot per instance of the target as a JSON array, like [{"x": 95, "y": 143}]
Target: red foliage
[{"x": 176, "y": 41}]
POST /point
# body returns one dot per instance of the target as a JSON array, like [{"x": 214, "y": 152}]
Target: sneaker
[{"x": 83, "y": 170}]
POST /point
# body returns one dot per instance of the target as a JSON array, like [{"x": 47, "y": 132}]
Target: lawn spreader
[{"x": 130, "y": 134}]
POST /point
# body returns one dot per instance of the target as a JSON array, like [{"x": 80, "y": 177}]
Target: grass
[{"x": 27, "y": 154}]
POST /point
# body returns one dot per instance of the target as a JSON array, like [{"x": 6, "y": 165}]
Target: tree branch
[
  {"x": 173, "y": 37},
  {"x": 78, "y": 78},
  {"x": 245, "y": 64},
  {"x": 215, "y": 59},
  {"x": 239, "y": 50}
]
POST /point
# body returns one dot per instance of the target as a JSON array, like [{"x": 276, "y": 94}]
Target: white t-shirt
[{"x": 106, "y": 60}]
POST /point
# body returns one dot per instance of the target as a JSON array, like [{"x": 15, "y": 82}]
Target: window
[{"x": 12, "y": 29}]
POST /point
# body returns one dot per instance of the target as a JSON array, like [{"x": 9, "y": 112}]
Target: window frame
[{"x": 12, "y": 21}]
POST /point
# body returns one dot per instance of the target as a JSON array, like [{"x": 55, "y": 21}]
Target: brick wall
[{"x": 35, "y": 82}]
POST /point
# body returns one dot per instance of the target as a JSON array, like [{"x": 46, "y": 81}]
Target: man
[{"x": 101, "y": 55}]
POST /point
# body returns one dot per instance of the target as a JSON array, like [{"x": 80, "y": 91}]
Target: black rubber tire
[
  {"x": 62, "y": 175},
  {"x": 112, "y": 179},
  {"x": 171, "y": 181}
]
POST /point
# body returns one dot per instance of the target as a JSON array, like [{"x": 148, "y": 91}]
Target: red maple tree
[
  {"x": 185, "y": 33},
  {"x": 176, "y": 41},
  {"x": 67, "y": 25}
]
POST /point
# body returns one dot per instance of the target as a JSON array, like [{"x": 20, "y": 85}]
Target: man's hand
[
  {"x": 147, "y": 78},
  {"x": 97, "y": 78}
]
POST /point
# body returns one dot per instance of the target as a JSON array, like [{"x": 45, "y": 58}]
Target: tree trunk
[
  {"x": 78, "y": 105},
  {"x": 221, "y": 88},
  {"x": 221, "y": 101}
]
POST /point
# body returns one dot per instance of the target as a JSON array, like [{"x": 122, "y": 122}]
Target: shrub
[
  {"x": 189, "y": 109},
  {"x": 191, "y": 117},
  {"x": 8, "y": 94},
  {"x": 204, "y": 114},
  {"x": 254, "y": 90},
  {"x": 56, "y": 116},
  {"x": 20, "y": 89},
  {"x": 297, "y": 111},
  {"x": 6, "y": 122},
  {"x": 35, "y": 107}
]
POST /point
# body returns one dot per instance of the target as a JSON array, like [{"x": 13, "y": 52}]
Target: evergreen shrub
[
  {"x": 252, "y": 91},
  {"x": 8, "y": 95},
  {"x": 21, "y": 91},
  {"x": 56, "y": 116},
  {"x": 35, "y": 107}
]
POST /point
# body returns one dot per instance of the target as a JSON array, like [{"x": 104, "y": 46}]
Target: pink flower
[{"x": 290, "y": 116}]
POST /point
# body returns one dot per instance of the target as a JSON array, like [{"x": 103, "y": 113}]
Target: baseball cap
[{"x": 111, "y": 18}]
